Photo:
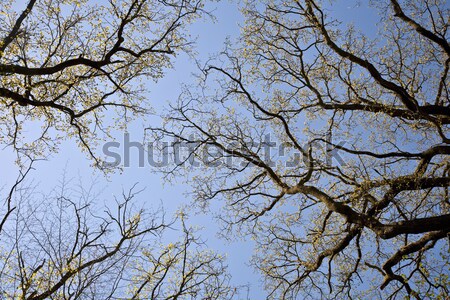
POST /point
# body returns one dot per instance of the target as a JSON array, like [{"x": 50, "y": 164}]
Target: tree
[
  {"x": 354, "y": 201},
  {"x": 74, "y": 68},
  {"x": 61, "y": 245}
]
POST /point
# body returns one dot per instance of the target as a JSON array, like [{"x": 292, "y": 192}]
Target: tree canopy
[
  {"x": 77, "y": 69},
  {"x": 325, "y": 140},
  {"x": 348, "y": 197},
  {"x": 64, "y": 245}
]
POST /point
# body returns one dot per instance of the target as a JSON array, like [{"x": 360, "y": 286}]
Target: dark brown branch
[
  {"x": 420, "y": 29},
  {"x": 15, "y": 30}
]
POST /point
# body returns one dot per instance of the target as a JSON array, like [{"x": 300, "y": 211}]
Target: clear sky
[{"x": 211, "y": 37}]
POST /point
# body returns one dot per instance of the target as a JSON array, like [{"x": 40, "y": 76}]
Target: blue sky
[{"x": 210, "y": 39}]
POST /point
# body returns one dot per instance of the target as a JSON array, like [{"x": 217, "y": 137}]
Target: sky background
[{"x": 210, "y": 40}]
